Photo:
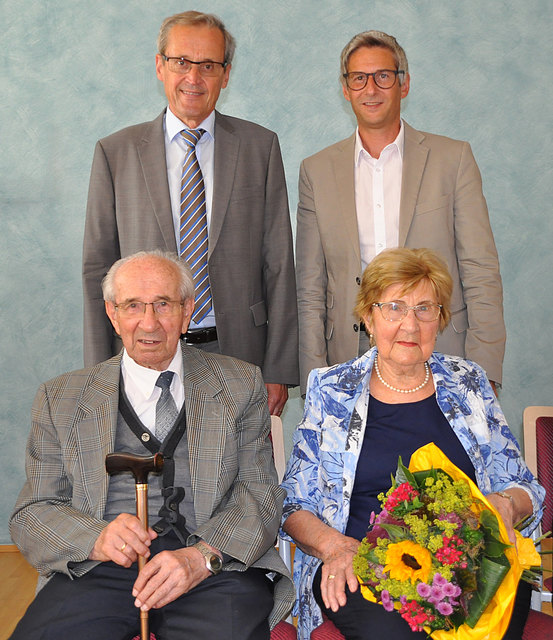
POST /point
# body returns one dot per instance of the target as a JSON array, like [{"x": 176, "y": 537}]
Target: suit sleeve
[
  {"x": 281, "y": 352},
  {"x": 100, "y": 251},
  {"x": 52, "y": 535},
  {"x": 245, "y": 523},
  {"x": 312, "y": 282},
  {"x": 479, "y": 270}
]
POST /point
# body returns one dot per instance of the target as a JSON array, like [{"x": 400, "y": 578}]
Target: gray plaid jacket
[{"x": 237, "y": 500}]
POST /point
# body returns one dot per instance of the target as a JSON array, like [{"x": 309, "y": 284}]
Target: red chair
[
  {"x": 539, "y": 626},
  {"x": 326, "y": 631},
  {"x": 538, "y": 453},
  {"x": 283, "y": 631}
]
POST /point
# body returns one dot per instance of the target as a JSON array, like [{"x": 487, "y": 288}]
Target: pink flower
[
  {"x": 439, "y": 580},
  {"x": 445, "y": 608},
  {"x": 451, "y": 590},
  {"x": 437, "y": 592},
  {"x": 387, "y": 601}
]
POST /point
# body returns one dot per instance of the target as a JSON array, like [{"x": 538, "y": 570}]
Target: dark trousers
[
  {"x": 360, "y": 619},
  {"x": 99, "y": 605}
]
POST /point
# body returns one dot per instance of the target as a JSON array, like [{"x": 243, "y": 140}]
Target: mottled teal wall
[{"x": 72, "y": 72}]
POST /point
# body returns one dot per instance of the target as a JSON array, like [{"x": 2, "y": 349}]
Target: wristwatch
[{"x": 213, "y": 562}]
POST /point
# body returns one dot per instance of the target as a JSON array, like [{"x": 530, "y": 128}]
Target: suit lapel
[
  {"x": 96, "y": 424},
  {"x": 151, "y": 151},
  {"x": 206, "y": 419},
  {"x": 414, "y": 161},
  {"x": 227, "y": 147},
  {"x": 343, "y": 162}
]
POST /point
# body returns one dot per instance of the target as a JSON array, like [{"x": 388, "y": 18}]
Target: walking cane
[{"x": 140, "y": 467}]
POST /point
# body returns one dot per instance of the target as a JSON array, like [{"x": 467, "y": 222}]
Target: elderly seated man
[{"x": 213, "y": 571}]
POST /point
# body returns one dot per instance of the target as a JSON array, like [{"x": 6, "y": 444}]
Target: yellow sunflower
[{"x": 407, "y": 560}]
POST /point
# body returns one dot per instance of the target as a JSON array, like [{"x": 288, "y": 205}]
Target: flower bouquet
[{"x": 438, "y": 553}]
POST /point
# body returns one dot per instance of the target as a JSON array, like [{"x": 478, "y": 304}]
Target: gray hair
[
  {"x": 186, "y": 285},
  {"x": 374, "y": 39},
  {"x": 195, "y": 18}
]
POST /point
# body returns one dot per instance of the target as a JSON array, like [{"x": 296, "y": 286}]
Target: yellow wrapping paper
[{"x": 496, "y": 617}]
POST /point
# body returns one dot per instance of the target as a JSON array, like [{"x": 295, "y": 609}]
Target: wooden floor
[
  {"x": 18, "y": 584},
  {"x": 17, "y": 588}
]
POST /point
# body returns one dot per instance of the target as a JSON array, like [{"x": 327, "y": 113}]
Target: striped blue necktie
[{"x": 193, "y": 225}]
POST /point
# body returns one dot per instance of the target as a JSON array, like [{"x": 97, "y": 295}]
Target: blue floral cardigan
[{"x": 321, "y": 470}]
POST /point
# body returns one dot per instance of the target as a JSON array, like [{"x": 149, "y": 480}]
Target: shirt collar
[
  {"x": 399, "y": 143},
  {"x": 143, "y": 380},
  {"x": 173, "y": 126}
]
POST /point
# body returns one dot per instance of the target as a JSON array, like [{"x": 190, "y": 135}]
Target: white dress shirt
[
  {"x": 378, "y": 196},
  {"x": 176, "y": 151},
  {"x": 141, "y": 390}
]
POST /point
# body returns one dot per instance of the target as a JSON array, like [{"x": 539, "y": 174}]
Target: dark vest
[{"x": 163, "y": 492}]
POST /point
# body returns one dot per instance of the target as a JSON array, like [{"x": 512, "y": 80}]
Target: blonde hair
[{"x": 406, "y": 267}]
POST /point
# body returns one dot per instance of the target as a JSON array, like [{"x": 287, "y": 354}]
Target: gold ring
[
  {"x": 123, "y": 547},
  {"x": 331, "y": 577}
]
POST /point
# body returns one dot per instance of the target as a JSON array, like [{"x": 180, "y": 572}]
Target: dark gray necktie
[{"x": 166, "y": 409}]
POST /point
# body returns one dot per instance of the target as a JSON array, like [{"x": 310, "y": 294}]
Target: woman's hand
[
  {"x": 512, "y": 509},
  {"x": 335, "y": 550},
  {"x": 337, "y": 571}
]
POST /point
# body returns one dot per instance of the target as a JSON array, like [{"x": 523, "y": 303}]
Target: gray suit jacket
[
  {"x": 442, "y": 208},
  {"x": 251, "y": 262},
  {"x": 237, "y": 499}
]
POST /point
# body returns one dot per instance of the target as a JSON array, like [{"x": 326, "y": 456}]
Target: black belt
[{"x": 200, "y": 336}]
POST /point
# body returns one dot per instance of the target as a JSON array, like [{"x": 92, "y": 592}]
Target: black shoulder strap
[{"x": 171, "y": 519}]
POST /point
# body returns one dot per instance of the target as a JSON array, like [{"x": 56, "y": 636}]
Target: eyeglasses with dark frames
[
  {"x": 207, "y": 68},
  {"x": 383, "y": 78}
]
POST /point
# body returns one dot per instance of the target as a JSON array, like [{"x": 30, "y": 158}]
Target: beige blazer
[
  {"x": 58, "y": 514},
  {"x": 251, "y": 262},
  {"x": 442, "y": 208}
]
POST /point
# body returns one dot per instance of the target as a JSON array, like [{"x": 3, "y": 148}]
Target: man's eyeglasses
[
  {"x": 396, "y": 311},
  {"x": 136, "y": 308},
  {"x": 383, "y": 78},
  {"x": 207, "y": 68}
]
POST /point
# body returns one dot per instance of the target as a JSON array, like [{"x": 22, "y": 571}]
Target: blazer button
[
  {"x": 145, "y": 437},
  {"x": 356, "y": 327},
  {"x": 358, "y": 280}
]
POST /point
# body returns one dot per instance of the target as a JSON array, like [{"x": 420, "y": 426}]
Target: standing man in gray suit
[
  {"x": 215, "y": 510},
  {"x": 390, "y": 185},
  {"x": 193, "y": 175}
]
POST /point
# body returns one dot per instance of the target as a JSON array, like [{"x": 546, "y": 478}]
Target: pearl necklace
[{"x": 420, "y": 386}]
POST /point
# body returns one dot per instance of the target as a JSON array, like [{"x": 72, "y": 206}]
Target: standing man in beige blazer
[
  {"x": 134, "y": 203},
  {"x": 390, "y": 185}
]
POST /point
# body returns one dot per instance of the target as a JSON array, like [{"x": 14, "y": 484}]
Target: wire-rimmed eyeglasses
[
  {"x": 137, "y": 308},
  {"x": 396, "y": 311},
  {"x": 383, "y": 78}
]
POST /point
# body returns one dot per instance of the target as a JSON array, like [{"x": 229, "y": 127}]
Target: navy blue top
[{"x": 395, "y": 430}]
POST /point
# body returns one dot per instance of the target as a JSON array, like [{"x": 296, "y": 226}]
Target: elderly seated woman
[{"x": 361, "y": 415}]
